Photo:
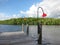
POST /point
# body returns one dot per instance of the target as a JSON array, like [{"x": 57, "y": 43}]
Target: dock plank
[{"x": 16, "y": 38}]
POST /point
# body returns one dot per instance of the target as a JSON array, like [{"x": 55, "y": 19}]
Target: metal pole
[
  {"x": 38, "y": 12},
  {"x": 39, "y": 27}
]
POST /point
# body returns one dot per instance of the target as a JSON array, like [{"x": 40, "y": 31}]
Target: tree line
[{"x": 31, "y": 21}]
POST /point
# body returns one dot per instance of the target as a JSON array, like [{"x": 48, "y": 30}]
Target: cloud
[
  {"x": 4, "y": 16},
  {"x": 16, "y": 16},
  {"x": 51, "y": 7},
  {"x": 31, "y": 12}
]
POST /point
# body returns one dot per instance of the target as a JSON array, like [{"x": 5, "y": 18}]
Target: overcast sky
[{"x": 28, "y": 8}]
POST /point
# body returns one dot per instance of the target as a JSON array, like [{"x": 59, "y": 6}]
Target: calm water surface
[
  {"x": 10, "y": 28},
  {"x": 50, "y": 34}
]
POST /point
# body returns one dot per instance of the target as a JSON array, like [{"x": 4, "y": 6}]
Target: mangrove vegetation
[{"x": 31, "y": 21}]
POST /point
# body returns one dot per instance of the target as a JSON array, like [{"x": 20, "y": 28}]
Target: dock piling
[
  {"x": 27, "y": 29},
  {"x": 22, "y": 27},
  {"x": 39, "y": 33}
]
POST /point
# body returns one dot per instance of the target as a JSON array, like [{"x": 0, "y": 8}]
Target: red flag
[{"x": 44, "y": 15}]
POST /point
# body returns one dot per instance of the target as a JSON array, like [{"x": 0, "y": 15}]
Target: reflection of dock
[{"x": 16, "y": 38}]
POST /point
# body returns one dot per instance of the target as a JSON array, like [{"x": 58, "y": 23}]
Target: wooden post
[
  {"x": 40, "y": 33},
  {"x": 23, "y": 27},
  {"x": 27, "y": 29}
]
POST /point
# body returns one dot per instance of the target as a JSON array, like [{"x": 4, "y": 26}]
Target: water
[
  {"x": 10, "y": 28},
  {"x": 50, "y": 34}
]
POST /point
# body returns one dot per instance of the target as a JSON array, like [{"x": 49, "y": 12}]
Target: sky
[{"x": 28, "y": 8}]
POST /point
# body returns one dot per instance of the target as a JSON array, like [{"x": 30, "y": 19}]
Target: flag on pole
[{"x": 44, "y": 15}]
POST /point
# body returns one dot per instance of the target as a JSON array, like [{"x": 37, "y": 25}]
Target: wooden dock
[
  {"x": 16, "y": 38},
  {"x": 20, "y": 38}
]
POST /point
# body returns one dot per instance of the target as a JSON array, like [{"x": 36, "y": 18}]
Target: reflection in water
[{"x": 50, "y": 34}]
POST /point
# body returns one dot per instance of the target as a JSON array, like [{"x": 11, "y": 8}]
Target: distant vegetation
[{"x": 31, "y": 21}]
